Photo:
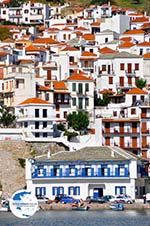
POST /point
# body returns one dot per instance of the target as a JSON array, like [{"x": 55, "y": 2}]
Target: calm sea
[{"x": 73, "y": 218}]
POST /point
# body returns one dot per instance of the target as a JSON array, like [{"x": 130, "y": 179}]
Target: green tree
[
  {"x": 102, "y": 101},
  {"x": 4, "y": 33},
  {"x": 147, "y": 7},
  {"x": 140, "y": 83},
  {"x": 6, "y": 117},
  {"x": 78, "y": 120}
]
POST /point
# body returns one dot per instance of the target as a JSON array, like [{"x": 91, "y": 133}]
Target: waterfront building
[{"x": 90, "y": 171}]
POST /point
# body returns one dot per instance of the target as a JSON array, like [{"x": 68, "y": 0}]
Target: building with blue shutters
[{"x": 90, "y": 171}]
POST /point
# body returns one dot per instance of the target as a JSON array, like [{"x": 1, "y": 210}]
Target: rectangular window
[
  {"x": 74, "y": 101},
  {"x": 40, "y": 191},
  {"x": 104, "y": 171},
  {"x": 86, "y": 102},
  {"x": 73, "y": 86},
  {"x": 136, "y": 67},
  {"x": 86, "y": 87},
  {"x": 74, "y": 190},
  {"x": 121, "y": 171},
  {"x": 133, "y": 111},
  {"x": 121, "y": 67},
  {"x": 37, "y": 113},
  {"x": 57, "y": 191},
  {"x": 37, "y": 135},
  {"x": 71, "y": 190},
  {"x": 44, "y": 134},
  {"x": 103, "y": 67},
  {"x": 80, "y": 103},
  {"x": 44, "y": 125},
  {"x": 44, "y": 113},
  {"x": 120, "y": 190},
  {"x": 80, "y": 88},
  {"x": 72, "y": 171},
  {"x": 37, "y": 125},
  {"x": 25, "y": 124},
  {"x": 110, "y": 80}
]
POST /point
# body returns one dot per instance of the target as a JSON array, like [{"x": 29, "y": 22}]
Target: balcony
[
  {"x": 130, "y": 74},
  {"x": 106, "y": 73},
  {"x": 123, "y": 85},
  {"x": 50, "y": 65}
]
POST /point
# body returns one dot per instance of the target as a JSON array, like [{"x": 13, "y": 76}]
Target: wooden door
[
  {"x": 129, "y": 80},
  {"x": 107, "y": 141},
  {"x": 107, "y": 127},
  {"x": 121, "y": 125},
  {"x": 122, "y": 142},
  {"x": 49, "y": 75},
  {"x": 134, "y": 127},
  {"x": 144, "y": 142},
  {"x": 144, "y": 127}
]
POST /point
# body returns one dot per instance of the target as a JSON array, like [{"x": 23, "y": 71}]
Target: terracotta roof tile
[
  {"x": 81, "y": 29},
  {"x": 34, "y": 100},
  {"x": 106, "y": 91},
  {"x": 126, "y": 45},
  {"x": 66, "y": 29},
  {"x": 88, "y": 54},
  {"x": 32, "y": 48},
  {"x": 3, "y": 53},
  {"x": 106, "y": 50},
  {"x": 44, "y": 41},
  {"x": 59, "y": 85},
  {"x": 146, "y": 56},
  {"x": 134, "y": 32},
  {"x": 79, "y": 77},
  {"x": 140, "y": 20},
  {"x": 136, "y": 91},
  {"x": 96, "y": 24},
  {"x": 89, "y": 37},
  {"x": 43, "y": 88},
  {"x": 143, "y": 44},
  {"x": 69, "y": 48},
  {"x": 126, "y": 39}
]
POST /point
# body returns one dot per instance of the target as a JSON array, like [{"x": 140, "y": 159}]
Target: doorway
[{"x": 97, "y": 192}]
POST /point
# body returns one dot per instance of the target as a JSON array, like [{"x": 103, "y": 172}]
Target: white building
[{"x": 91, "y": 171}]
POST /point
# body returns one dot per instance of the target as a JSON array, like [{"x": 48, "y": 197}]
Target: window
[
  {"x": 71, "y": 59},
  {"x": 20, "y": 69},
  {"x": 26, "y": 11},
  {"x": 44, "y": 134},
  {"x": 106, "y": 40},
  {"x": 37, "y": 125},
  {"x": 73, "y": 86},
  {"x": 74, "y": 101},
  {"x": 86, "y": 102},
  {"x": 114, "y": 113},
  {"x": 4, "y": 12},
  {"x": 110, "y": 80},
  {"x": 103, "y": 67},
  {"x": 141, "y": 51},
  {"x": 37, "y": 113},
  {"x": 136, "y": 67},
  {"x": 86, "y": 87},
  {"x": 47, "y": 96},
  {"x": 57, "y": 115},
  {"x": 25, "y": 124},
  {"x": 80, "y": 103},
  {"x": 44, "y": 124},
  {"x": 142, "y": 98},
  {"x": 44, "y": 113},
  {"x": 104, "y": 171},
  {"x": 119, "y": 190},
  {"x": 121, "y": 171},
  {"x": 37, "y": 135},
  {"x": 74, "y": 190},
  {"x": 121, "y": 67},
  {"x": 80, "y": 88},
  {"x": 26, "y": 18},
  {"x": 64, "y": 36},
  {"x": 133, "y": 111},
  {"x": 72, "y": 171},
  {"x": 40, "y": 191},
  {"x": 57, "y": 191}
]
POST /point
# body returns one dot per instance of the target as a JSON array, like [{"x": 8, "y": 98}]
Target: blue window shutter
[
  {"x": 36, "y": 191},
  {"x": 67, "y": 172},
  {"x": 116, "y": 172},
  {"x": 116, "y": 187},
  {"x": 52, "y": 172},
  {"x": 44, "y": 190},
  {"x": 44, "y": 172},
  {"x": 53, "y": 190},
  {"x": 76, "y": 171},
  {"x": 126, "y": 172},
  {"x": 69, "y": 191},
  {"x": 74, "y": 191},
  {"x": 60, "y": 172},
  {"x": 83, "y": 172},
  {"x": 108, "y": 172},
  {"x": 92, "y": 172},
  {"x": 99, "y": 172}
]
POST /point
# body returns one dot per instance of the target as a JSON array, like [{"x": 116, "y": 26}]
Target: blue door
[{"x": 97, "y": 192}]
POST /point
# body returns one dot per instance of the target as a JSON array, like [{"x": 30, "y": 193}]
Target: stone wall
[{"x": 12, "y": 175}]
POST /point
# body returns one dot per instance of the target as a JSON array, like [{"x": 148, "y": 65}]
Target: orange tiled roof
[
  {"x": 32, "y": 48},
  {"x": 81, "y": 29},
  {"x": 126, "y": 39},
  {"x": 3, "y": 53},
  {"x": 106, "y": 91},
  {"x": 53, "y": 29},
  {"x": 89, "y": 37},
  {"x": 136, "y": 91},
  {"x": 146, "y": 56},
  {"x": 69, "y": 48},
  {"x": 106, "y": 50},
  {"x": 96, "y": 23},
  {"x": 66, "y": 29},
  {"x": 88, "y": 54},
  {"x": 44, "y": 41},
  {"x": 34, "y": 100},
  {"x": 140, "y": 20},
  {"x": 134, "y": 32},
  {"x": 126, "y": 45},
  {"x": 79, "y": 77},
  {"x": 144, "y": 44},
  {"x": 60, "y": 85},
  {"x": 43, "y": 88}
]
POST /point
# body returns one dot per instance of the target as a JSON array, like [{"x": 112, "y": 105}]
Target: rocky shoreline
[{"x": 93, "y": 206}]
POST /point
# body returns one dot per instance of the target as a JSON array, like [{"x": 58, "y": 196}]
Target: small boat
[
  {"x": 117, "y": 206},
  {"x": 80, "y": 208},
  {"x": 4, "y": 206}
]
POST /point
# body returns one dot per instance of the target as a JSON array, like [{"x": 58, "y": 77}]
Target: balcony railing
[{"x": 132, "y": 73}]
